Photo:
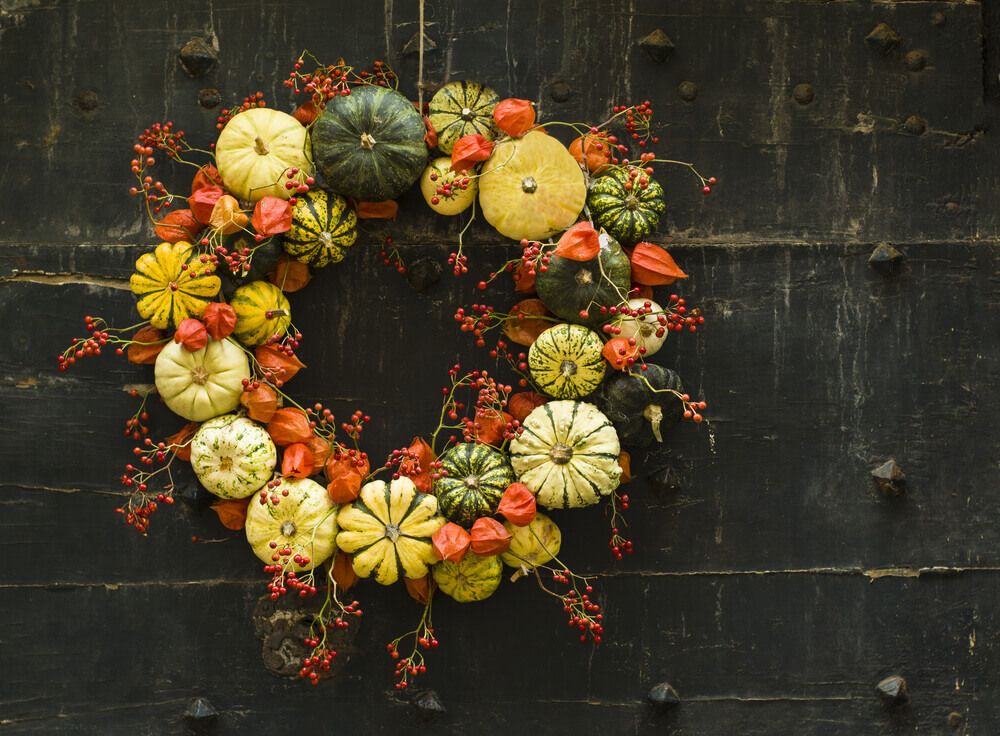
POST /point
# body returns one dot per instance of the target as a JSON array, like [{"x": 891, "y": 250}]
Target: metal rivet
[
  {"x": 87, "y": 100},
  {"x": 955, "y": 719},
  {"x": 560, "y": 91},
  {"x": 938, "y": 18},
  {"x": 885, "y": 258},
  {"x": 412, "y": 47},
  {"x": 688, "y": 91},
  {"x": 915, "y": 125},
  {"x": 658, "y": 45},
  {"x": 883, "y": 38},
  {"x": 201, "y": 716},
  {"x": 198, "y": 57},
  {"x": 663, "y": 696},
  {"x": 915, "y": 60},
  {"x": 209, "y": 97},
  {"x": 890, "y": 480},
  {"x": 429, "y": 705},
  {"x": 803, "y": 93},
  {"x": 892, "y": 691},
  {"x": 423, "y": 273}
]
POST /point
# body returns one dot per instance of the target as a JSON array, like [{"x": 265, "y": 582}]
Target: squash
[
  {"x": 323, "y": 228},
  {"x": 641, "y": 405},
  {"x": 370, "y": 144},
  {"x": 202, "y": 384},
  {"x": 256, "y": 149},
  {"x": 304, "y": 521},
  {"x": 531, "y": 187},
  {"x": 629, "y": 215},
  {"x": 262, "y": 311},
  {"x": 473, "y": 579},
  {"x": 476, "y": 477},
  {"x": 232, "y": 456},
  {"x": 265, "y": 257},
  {"x": 565, "y": 361},
  {"x": 644, "y": 327},
  {"x": 388, "y": 530},
  {"x": 567, "y": 454},
  {"x": 452, "y": 204},
  {"x": 462, "y": 108},
  {"x": 569, "y": 287},
  {"x": 171, "y": 284},
  {"x": 534, "y": 544}
]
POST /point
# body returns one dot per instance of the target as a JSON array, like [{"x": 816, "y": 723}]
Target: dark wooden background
[{"x": 773, "y": 587}]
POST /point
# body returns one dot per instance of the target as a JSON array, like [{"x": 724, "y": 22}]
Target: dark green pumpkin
[
  {"x": 569, "y": 286},
  {"x": 265, "y": 257},
  {"x": 370, "y": 144},
  {"x": 642, "y": 411},
  {"x": 477, "y": 476},
  {"x": 629, "y": 216}
]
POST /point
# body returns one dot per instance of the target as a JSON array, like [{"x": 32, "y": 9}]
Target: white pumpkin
[
  {"x": 305, "y": 521},
  {"x": 256, "y": 148},
  {"x": 644, "y": 328},
  {"x": 534, "y": 544},
  {"x": 232, "y": 456},
  {"x": 202, "y": 384},
  {"x": 567, "y": 454}
]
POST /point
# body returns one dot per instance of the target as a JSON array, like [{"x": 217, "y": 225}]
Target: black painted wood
[{"x": 773, "y": 588}]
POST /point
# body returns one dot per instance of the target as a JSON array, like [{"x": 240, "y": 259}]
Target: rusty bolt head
[
  {"x": 198, "y": 57},
  {"x": 663, "y": 696},
  {"x": 201, "y": 716},
  {"x": 428, "y": 704},
  {"x": 915, "y": 125},
  {"x": 885, "y": 258},
  {"x": 423, "y": 273},
  {"x": 209, "y": 98},
  {"x": 87, "y": 100},
  {"x": 915, "y": 60},
  {"x": 882, "y": 38},
  {"x": 892, "y": 691},
  {"x": 412, "y": 47},
  {"x": 657, "y": 45},
  {"x": 560, "y": 91},
  {"x": 803, "y": 93},
  {"x": 955, "y": 720},
  {"x": 890, "y": 479},
  {"x": 688, "y": 91},
  {"x": 938, "y": 18}
]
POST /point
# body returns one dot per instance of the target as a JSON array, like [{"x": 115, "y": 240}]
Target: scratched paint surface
[{"x": 772, "y": 586}]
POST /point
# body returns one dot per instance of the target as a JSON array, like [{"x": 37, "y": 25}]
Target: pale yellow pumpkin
[
  {"x": 202, "y": 384},
  {"x": 459, "y": 200},
  {"x": 534, "y": 544},
  {"x": 257, "y": 148},
  {"x": 304, "y": 521}
]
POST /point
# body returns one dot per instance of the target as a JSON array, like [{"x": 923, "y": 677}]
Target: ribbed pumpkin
[
  {"x": 644, "y": 328},
  {"x": 566, "y": 362},
  {"x": 323, "y": 228},
  {"x": 477, "y": 476},
  {"x": 629, "y": 215},
  {"x": 171, "y": 284},
  {"x": 370, "y": 144},
  {"x": 304, "y": 521},
  {"x": 569, "y": 287},
  {"x": 388, "y": 530},
  {"x": 531, "y": 187},
  {"x": 567, "y": 454},
  {"x": 642, "y": 405},
  {"x": 232, "y": 456},
  {"x": 202, "y": 384},
  {"x": 256, "y": 149},
  {"x": 462, "y": 108},
  {"x": 439, "y": 173},
  {"x": 261, "y": 311},
  {"x": 473, "y": 579},
  {"x": 534, "y": 544},
  {"x": 265, "y": 257}
]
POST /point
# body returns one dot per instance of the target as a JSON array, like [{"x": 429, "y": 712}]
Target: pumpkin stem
[
  {"x": 467, "y": 114},
  {"x": 472, "y": 482},
  {"x": 367, "y": 141},
  {"x": 259, "y": 146},
  {"x": 393, "y": 532},
  {"x": 654, "y": 415},
  {"x": 561, "y": 454},
  {"x": 567, "y": 368},
  {"x": 584, "y": 277},
  {"x": 529, "y": 185},
  {"x": 288, "y": 529},
  {"x": 199, "y": 375}
]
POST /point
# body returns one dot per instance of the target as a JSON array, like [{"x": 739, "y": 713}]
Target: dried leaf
[
  {"x": 191, "y": 333},
  {"x": 580, "y": 243},
  {"x": 227, "y": 217},
  {"x": 430, "y": 136},
  {"x": 425, "y": 456},
  {"x": 182, "y": 437},
  {"x": 232, "y": 512},
  {"x": 297, "y": 461},
  {"x": 386, "y": 210},
  {"x": 343, "y": 572},
  {"x": 620, "y": 352},
  {"x": 489, "y": 537},
  {"x": 178, "y": 225},
  {"x": 625, "y": 461},
  {"x": 420, "y": 589},
  {"x": 524, "y": 328},
  {"x": 289, "y": 275},
  {"x": 514, "y": 117},
  {"x": 653, "y": 266},
  {"x": 518, "y": 504},
  {"x": 288, "y": 426},
  {"x": 279, "y": 365},
  {"x": 468, "y": 151},
  {"x": 202, "y": 202},
  {"x": 260, "y": 403},
  {"x": 207, "y": 176},
  {"x": 146, "y": 345},
  {"x": 451, "y": 542},
  {"x": 272, "y": 216},
  {"x": 521, "y": 404},
  {"x": 344, "y": 478},
  {"x": 219, "y": 319}
]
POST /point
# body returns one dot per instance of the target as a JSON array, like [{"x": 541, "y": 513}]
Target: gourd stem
[
  {"x": 367, "y": 141},
  {"x": 654, "y": 415},
  {"x": 259, "y": 146}
]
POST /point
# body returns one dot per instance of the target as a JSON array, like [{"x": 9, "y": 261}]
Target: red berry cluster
[
  {"x": 141, "y": 503},
  {"x": 409, "y": 667},
  {"x": 85, "y": 347},
  {"x": 680, "y": 317},
  {"x": 328, "y": 81},
  {"x": 692, "y": 409},
  {"x": 406, "y": 462},
  {"x": 322, "y": 654},
  {"x": 356, "y": 424},
  {"x": 458, "y": 262},
  {"x": 228, "y": 113},
  {"x": 284, "y": 579},
  {"x": 135, "y": 427},
  {"x": 317, "y": 662},
  {"x": 584, "y": 614},
  {"x": 390, "y": 256},
  {"x": 449, "y": 186}
]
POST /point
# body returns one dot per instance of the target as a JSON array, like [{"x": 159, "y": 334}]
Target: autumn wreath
[{"x": 280, "y": 194}]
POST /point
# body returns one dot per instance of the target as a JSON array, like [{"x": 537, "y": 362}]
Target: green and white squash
[
  {"x": 262, "y": 310},
  {"x": 534, "y": 544},
  {"x": 323, "y": 228},
  {"x": 565, "y": 361},
  {"x": 629, "y": 215},
  {"x": 473, "y": 579},
  {"x": 645, "y": 328},
  {"x": 567, "y": 454},
  {"x": 232, "y": 456},
  {"x": 305, "y": 521},
  {"x": 475, "y": 478},
  {"x": 462, "y": 108}
]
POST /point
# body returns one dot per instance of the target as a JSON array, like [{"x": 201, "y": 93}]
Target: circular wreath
[{"x": 278, "y": 195}]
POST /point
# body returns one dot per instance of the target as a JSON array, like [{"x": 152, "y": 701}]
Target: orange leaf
[
  {"x": 306, "y": 113},
  {"x": 289, "y": 275},
  {"x": 625, "y": 461},
  {"x": 653, "y": 266},
  {"x": 271, "y": 216},
  {"x": 220, "y": 320},
  {"x": 182, "y": 437},
  {"x": 489, "y": 537},
  {"x": 232, "y": 512},
  {"x": 420, "y": 589},
  {"x": 524, "y": 279},
  {"x": 491, "y": 426},
  {"x": 521, "y": 404},
  {"x": 343, "y": 572},
  {"x": 620, "y": 352},
  {"x": 288, "y": 426},
  {"x": 580, "y": 243},
  {"x": 470, "y": 150},
  {"x": 523, "y": 328},
  {"x": 385, "y": 210},
  {"x": 425, "y": 456},
  {"x": 514, "y": 117},
  {"x": 297, "y": 461},
  {"x": 430, "y": 136},
  {"x": 146, "y": 345},
  {"x": 202, "y": 202},
  {"x": 227, "y": 217},
  {"x": 260, "y": 403},
  {"x": 593, "y": 150},
  {"x": 279, "y": 365},
  {"x": 451, "y": 542},
  {"x": 207, "y": 176},
  {"x": 320, "y": 450},
  {"x": 191, "y": 333},
  {"x": 178, "y": 225},
  {"x": 344, "y": 477},
  {"x": 517, "y": 504}
]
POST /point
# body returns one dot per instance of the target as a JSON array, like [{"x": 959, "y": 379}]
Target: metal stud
[
  {"x": 915, "y": 125},
  {"x": 663, "y": 696},
  {"x": 890, "y": 479},
  {"x": 209, "y": 98},
  {"x": 885, "y": 258},
  {"x": 892, "y": 691},
  {"x": 201, "y": 716},
  {"x": 915, "y": 60},
  {"x": 688, "y": 91},
  {"x": 883, "y": 38},
  {"x": 87, "y": 100},
  {"x": 560, "y": 91},
  {"x": 198, "y": 57},
  {"x": 428, "y": 704},
  {"x": 423, "y": 273},
  {"x": 657, "y": 45},
  {"x": 803, "y": 93}
]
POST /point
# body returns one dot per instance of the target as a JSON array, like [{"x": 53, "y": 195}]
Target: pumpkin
[
  {"x": 262, "y": 310},
  {"x": 531, "y": 187},
  {"x": 232, "y": 456},
  {"x": 323, "y": 228},
  {"x": 256, "y": 149},
  {"x": 628, "y": 214},
  {"x": 645, "y": 328},
  {"x": 566, "y": 362},
  {"x": 304, "y": 521},
  {"x": 476, "y": 477},
  {"x": 171, "y": 284},
  {"x": 202, "y": 384},
  {"x": 462, "y": 108},
  {"x": 567, "y": 454},
  {"x": 388, "y": 530},
  {"x": 370, "y": 144},
  {"x": 534, "y": 544},
  {"x": 642, "y": 405},
  {"x": 265, "y": 257},
  {"x": 570, "y": 287},
  {"x": 475, "y": 578},
  {"x": 438, "y": 174}
]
